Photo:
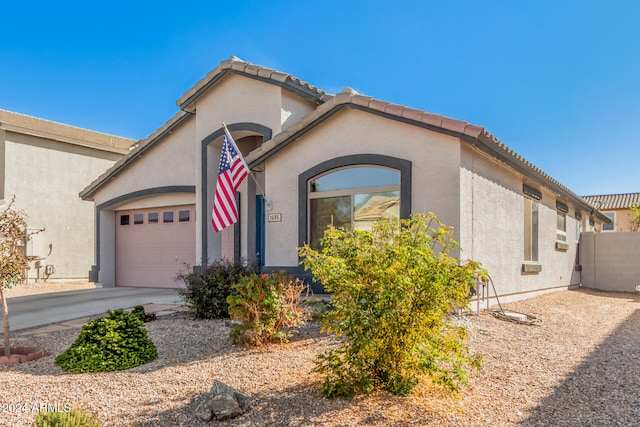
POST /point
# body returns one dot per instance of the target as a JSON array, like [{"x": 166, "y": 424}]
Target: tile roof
[
  {"x": 328, "y": 104},
  {"x": 235, "y": 65},
  {"x": 613, "y": 201},
  {"x": 475, "y": 135},
  {"x": 21, "y": 123}
]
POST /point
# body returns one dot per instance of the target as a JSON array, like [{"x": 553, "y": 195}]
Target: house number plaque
[{"x": 274, "y": 217}]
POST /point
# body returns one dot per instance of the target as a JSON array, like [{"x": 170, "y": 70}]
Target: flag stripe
[{"x": 231, "y": 172}]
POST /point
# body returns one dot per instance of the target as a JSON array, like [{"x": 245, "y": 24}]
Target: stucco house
[
  {"x": 317, "y": 159},
  {"x": 617, "y": 207},
  {"x": 44, "y": 165}
]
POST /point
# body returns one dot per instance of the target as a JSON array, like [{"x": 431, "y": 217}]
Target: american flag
[{"x": 232, "y": 170}]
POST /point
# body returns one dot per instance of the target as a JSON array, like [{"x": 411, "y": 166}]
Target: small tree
[
  {"x": 635, "y": 222},
  {"x": 392, "y": 292},
  {"x": 13, "y": 260}
]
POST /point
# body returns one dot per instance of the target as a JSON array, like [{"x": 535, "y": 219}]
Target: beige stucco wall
[
  {"x": 46, "y": 176},
  {"x": 610, "y": 261},
  {"x": 170, "y": 162},
  {"x": 623, "y": 220},
  {"x": 434, "y": 157},
  {"x": 237, "y": 99},
  {"x": 492, "y": 230},
  {"x": 176, "y": 160}
]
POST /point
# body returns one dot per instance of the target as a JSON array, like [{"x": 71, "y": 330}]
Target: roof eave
[
  {"x": 246, "y": 69},
  {"x": 66, "y": 140},
  {"x": 135, "y": 154},
  {"x": 475, "y": 135}
]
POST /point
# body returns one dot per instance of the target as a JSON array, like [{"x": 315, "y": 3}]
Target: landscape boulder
[{"x": 221, "y": 403}]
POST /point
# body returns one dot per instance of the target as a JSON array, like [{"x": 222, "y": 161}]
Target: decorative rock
[
  {"x": 224, "y": 407},
  {"x": 200, "y": 405},
  {"x": 222, "y": 389},
  {"x": 221, "y": 403}
]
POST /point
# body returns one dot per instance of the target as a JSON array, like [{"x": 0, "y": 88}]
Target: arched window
[{"x": 351, "y": 197}]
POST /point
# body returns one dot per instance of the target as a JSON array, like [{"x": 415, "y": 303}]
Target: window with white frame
[
  {"x": 612, "y": 225},
  {"x": 561, "y": 233},
  {"x": 561, "y": 221},
  {"x": 352, "y": 197}
]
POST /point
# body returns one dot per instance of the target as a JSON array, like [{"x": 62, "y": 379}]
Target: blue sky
[{"x": 556, "y": 81}]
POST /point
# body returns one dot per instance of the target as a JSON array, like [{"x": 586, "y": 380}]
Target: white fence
[{"x": 610, "y": 261}]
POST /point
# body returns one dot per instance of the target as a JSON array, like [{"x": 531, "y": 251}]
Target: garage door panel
[{"x": 153, "y": 252}]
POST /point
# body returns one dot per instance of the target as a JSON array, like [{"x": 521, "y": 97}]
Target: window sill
[
  {"x": 562, "y": 246},
  {"x": 528, "y": 268}
]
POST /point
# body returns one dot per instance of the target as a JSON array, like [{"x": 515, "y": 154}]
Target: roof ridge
[
  {"x": 456, "y": 127},
  {"x": 233, "y": 64},
  {"x": 613, "y": 194},
  {"x": 27, "y": 116},
  {"x": 348, "y": 95}
]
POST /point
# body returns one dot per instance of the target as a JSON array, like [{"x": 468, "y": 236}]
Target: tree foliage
[
  {"x": 392, "y": 292},
  {"x": 635, "y": 221},
  {"x": 13, "y": 259},
  {"x": 13, "y": 233}
]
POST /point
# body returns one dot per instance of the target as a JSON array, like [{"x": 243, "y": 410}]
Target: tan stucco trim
[
  {"x": 33, "y": 126},
  {"x": 72, "y": 141}
]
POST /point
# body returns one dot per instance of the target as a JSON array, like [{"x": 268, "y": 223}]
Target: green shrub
[
  {"x": 74, "y": 418},
  {"x": 138, "y": 310},
  {"x": 392, "y": 292},
  {"x": 268, "y": 306},
  {"x": 112, "y": 343},
  {"x": 207, "y": 289}
]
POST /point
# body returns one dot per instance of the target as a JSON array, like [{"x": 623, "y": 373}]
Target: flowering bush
[{"x": 268, "y": 306}]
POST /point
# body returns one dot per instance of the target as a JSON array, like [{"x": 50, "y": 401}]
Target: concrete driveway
[{"x": 43, "y": 309}]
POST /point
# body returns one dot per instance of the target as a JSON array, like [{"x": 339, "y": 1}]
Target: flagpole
[{"x": 264, "y": 196}]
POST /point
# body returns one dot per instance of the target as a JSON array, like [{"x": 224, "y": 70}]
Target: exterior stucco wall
[
  {"x": 435, "y": 170},
  {"x": 293, "y": 109},
  {"x": 46, "y": 177},
  {"x": 610, "y": 261},
  {"x": 492, "y": 230},
  {"x": 170, "y": 162},
  {"x": 237, "y": 99},
  {"x": 492, "y": 218},
  {"x": 623, "y": 219}
]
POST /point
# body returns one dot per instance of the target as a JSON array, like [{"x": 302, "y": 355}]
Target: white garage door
[{"x": 154, "y": 245}]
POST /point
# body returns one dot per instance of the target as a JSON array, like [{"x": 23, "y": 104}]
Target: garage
[{"x": 154, "y": 245}]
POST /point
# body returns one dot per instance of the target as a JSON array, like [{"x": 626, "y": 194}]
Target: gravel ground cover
[{"x": 579, "y": 368}]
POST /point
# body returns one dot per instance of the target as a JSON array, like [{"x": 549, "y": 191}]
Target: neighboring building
[
  {"x": 346, "y": 159},
  {"x": 617, "y": 207},
  {"x": 44, "y": 165}
]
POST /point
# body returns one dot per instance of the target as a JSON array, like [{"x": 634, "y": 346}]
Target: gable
[
  {"x": 166, "y": 159},
  {"x": 235, "y": 65}
]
